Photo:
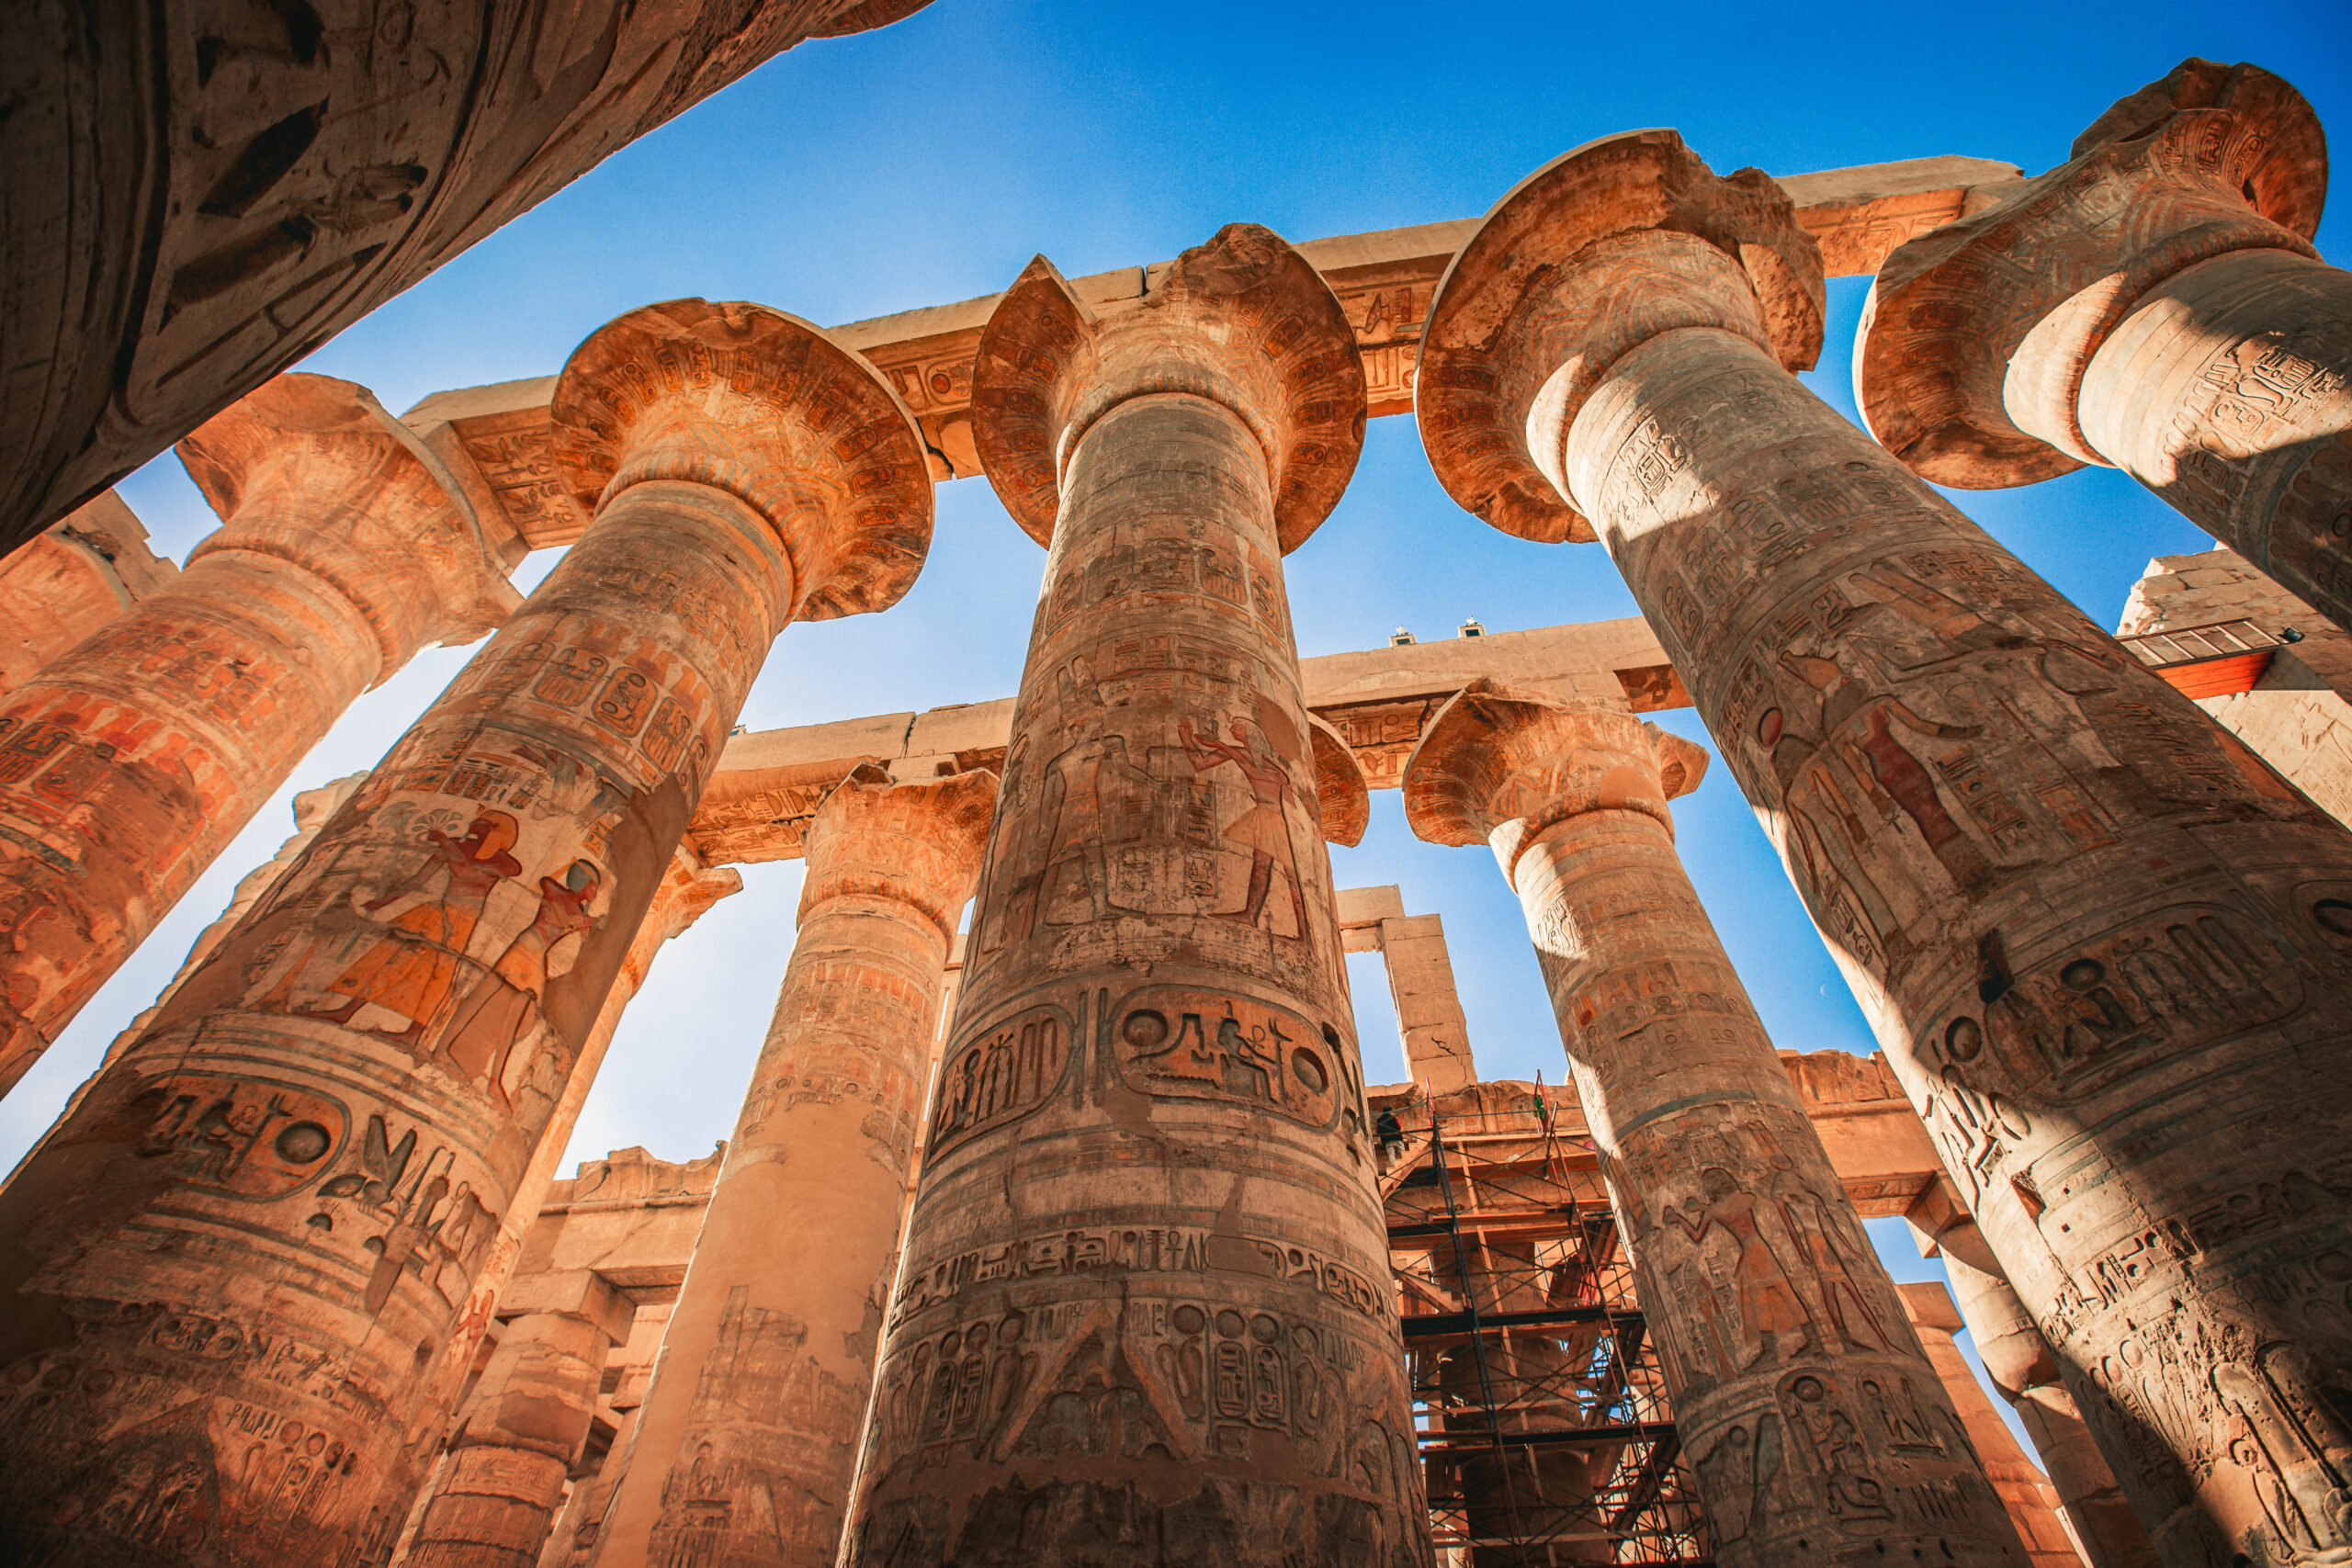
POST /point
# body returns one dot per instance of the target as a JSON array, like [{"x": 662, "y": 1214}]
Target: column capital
[
  {"x": 313, "y": 471},
  {"x": 1244, "y": 322},
  {"x": 1343, "y": 793},
  {"x": 769, "y": 409},
  {"x": 1976, "y": 334},
  {"x": 1498, "y": 766},
  {"x": 919, "y": 843},
  {"x": 1593, "y": 255}
]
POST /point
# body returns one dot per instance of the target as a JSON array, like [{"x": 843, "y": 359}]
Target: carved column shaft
[
  {"x": 1144, "y": 1295},
  {"x": 2154, "y": 303},
  {"x": 2027, "y": 1374},
  {"x": 1772, "y": 1315},
  {"x": 688, "y": 889},
  {"x": 2103, "y": 947},
  {"x": 131, "y": 761},
  {"x": 185, "y": 218},
  {"x": 2228, "y": 391},
  {"x": 531, "y": 1407},
  {"x": 746, "y": 1443},
  {"x": 315, "y": 1142}
]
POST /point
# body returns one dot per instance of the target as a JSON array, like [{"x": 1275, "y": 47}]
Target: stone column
[
  {"x": 1145, "y": 1295},
  {"x": 2022, "y": 1368},
  {"x": 2025, "y": 1491},
  {"x": 744, "y": 1449},
  {"x": 180, "y": 219},
  {"x": 1779, "y": 1330},
  {"x": 508, "y": 1461},
  {"x": 2103, "y": 947},
  {"x": 2154, "y": 304},
  {"x": 129, "y": 762},
  {"x": 688, "y": 889},
  {"x": 71, "y": 578},
  {"x": 307, "y": 1158}
]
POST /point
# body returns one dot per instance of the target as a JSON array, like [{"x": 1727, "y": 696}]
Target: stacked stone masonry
[{"x": 293, "y": 1281}]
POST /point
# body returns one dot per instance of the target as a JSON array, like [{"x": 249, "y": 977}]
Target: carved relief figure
[
  {"x": 503, "y": 1009},
  {"x": 411, "y": 974},
  {"x": 1768, "y": 1306},
  {"x": 1264, "y": 828}
]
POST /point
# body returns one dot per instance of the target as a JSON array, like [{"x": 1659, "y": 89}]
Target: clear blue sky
[{"x": 926, "y": 163}]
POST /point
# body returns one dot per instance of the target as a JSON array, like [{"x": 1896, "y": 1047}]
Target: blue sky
[{"x": 928, "y": 162}]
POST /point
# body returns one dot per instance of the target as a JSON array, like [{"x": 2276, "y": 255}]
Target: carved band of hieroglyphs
[
  {"x": 243, "y": 1137},
  {"x": 1210, "y": 1046},
  {"x": 1164, "y": 566},
  {"x": 1001, "y": 1075},
  {"x": 1138, "y": 1249},
  {"x": 2086, "y": 1017},
  {"x": 1105, "y": 1379}
]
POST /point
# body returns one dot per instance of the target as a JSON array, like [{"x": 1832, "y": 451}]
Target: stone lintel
[
  {"x": 582, "y": 1294},
  {"x": 1378, "y": 701},
  {"x": 1384, "y": 280}
]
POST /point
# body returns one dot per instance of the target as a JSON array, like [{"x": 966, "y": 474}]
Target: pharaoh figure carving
[
  {"x": 1145, "y": 1286},
  {"x": 253, "y": 1240},
  {"x": 2154, "y": 304},
  {"x": 1778, "y": 1326},
  {"x": 2103, "y": 946},
  {"x": 211, "y": 188}
]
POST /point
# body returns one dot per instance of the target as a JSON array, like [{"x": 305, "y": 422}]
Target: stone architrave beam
[
  {"x": 1376, "y": 703},
  {"x": 1384, "y": 280},
  {"x": 197, "y": 194},
  {"x": 2102, "y": 945},
  {"x": 1421, "y": 982}
]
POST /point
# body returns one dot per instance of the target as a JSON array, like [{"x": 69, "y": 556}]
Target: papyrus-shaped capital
[
  {"x": 1593, "y": 255},
  {"x": 919, "y": 843},
  {"x": 1976, "y": 335},
  {"x": 767, "y": 408},
  {"x": 1244, "y": 322},
  {"x": 313, "y": 471},
  {"x": 1498, "y": 766},
  {"x": 1343, "y": 793}
]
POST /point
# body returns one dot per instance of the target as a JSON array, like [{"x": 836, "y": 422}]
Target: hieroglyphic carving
[
  {"x": 2091, "y": 931},
  {"x": 433, "y": 966},
  {"x": 1144, "y": 1271},
  {"x": 251, "y": 177}
]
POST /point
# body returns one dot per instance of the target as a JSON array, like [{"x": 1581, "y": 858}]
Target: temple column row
[
  {"x": 320, "y": 1138},
  {"x": 1707, "y": 1151},
  {"x": 2101, "y": 945},
  {"x": 131, "y": 761}
]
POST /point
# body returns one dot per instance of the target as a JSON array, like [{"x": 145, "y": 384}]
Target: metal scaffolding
[{"x": 1539, "y": 1404}]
